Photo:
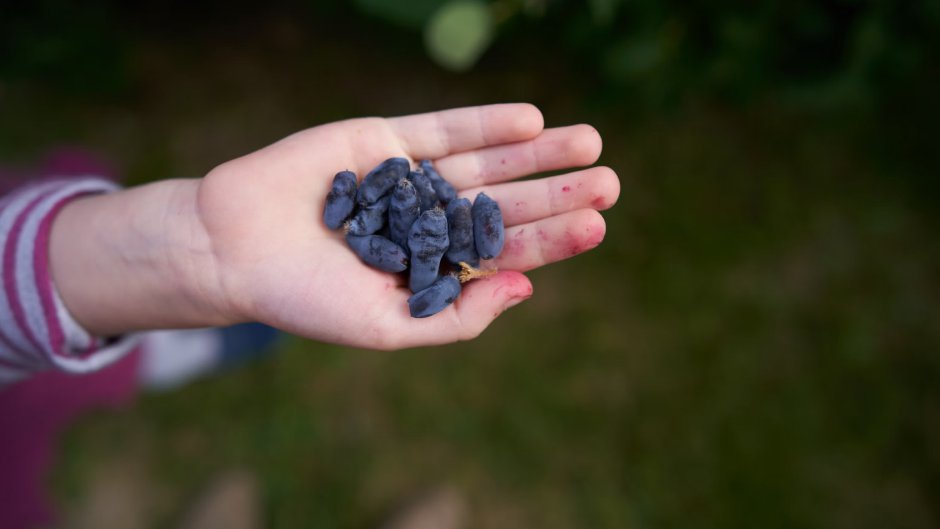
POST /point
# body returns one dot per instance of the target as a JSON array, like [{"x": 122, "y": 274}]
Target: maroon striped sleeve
[{"x": 36, "y": 330}]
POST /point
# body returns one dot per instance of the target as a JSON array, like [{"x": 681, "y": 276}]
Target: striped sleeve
[{"x": 36, "y": 330}]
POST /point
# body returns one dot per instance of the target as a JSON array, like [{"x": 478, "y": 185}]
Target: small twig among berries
[{"x": 468, "y": 272}]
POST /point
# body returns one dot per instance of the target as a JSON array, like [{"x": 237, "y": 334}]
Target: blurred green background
[{"x": 755, "y": 344}]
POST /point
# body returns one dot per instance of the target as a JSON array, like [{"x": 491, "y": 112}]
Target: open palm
[{"x": 277, "y": 262}]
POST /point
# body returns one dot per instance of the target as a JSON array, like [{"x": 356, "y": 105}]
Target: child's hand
[
  {"x": 248, "y": 243},
  {"x": 278, "y": 263}
]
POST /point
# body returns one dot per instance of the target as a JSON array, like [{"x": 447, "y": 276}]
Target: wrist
[{"x": 137, "y": 259}]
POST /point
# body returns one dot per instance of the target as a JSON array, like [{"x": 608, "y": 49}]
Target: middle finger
[
  {"x": 553, "y": 149},
  {"x": 529, "y": 200}
]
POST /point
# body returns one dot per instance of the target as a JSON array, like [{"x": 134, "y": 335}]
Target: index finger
[{"x": 437, "y": 134}]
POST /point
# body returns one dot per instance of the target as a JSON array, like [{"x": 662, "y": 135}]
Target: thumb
[{"x": 483, "y": 300}]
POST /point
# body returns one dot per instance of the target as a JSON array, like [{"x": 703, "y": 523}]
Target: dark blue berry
[
  {"x": 426, "y": 194},
  {"x": 460, "y": 233},
  {"x": 427, "y": 241},
  {"x": 369, "y": 219},
  {"x": 403, "y": 210},
  {"x": 381, "y": 179},
  {"x": 434, "y": 298},
  {"x": 445, "y": 192},
  {"x": 340, "y": 200},
  {"x": 378, "y": 252},
  {"x": 488, "y": 230}
]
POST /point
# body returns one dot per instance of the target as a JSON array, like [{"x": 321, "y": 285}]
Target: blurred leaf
[
  {"x": 459, "y": 33},
  {"x": 603, "y": 11},
  {"x": 409, "y": 13},
  {"x": 534, "y": 8}
]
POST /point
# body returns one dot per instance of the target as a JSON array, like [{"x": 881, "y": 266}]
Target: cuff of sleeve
[{"x": 42, "y": 332}]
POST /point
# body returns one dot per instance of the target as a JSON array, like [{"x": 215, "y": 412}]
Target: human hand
[
  {"x": 248, "y": 243},
  {"x": 276, "y": 262}
]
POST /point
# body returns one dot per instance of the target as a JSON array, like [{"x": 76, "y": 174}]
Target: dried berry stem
[{"x": 468, "y": 272}]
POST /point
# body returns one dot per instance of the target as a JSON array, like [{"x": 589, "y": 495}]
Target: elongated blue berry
[
  {"x": 426, "y": 194},
  {"x": 381, "y": 179},
  {"x": 488, "y": 230},
  {"x": 460, "y": 233},
  {"x": 340, "y": 200},
  {"x": 370, "y": 218},
  {"x": 378, "y": 252},
  {"x": 445, "y": 191},
  {"x": 434, "y": 298},
  {"x": 427, "y": 241},
  {"x": 403, "y": 211}
]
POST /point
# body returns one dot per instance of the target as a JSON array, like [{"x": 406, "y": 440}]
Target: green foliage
[
  {"x": 458, "y": 33},
  {"x": 73, "y": 46},
  {"x": 603, "y": 11},
  {"x": 830, "y": 53},
  {"x": 824, "y": 54},
  {"x": 414, "y": 14}
]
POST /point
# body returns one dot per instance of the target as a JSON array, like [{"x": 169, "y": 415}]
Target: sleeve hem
[{"x": 36, "y": 325}]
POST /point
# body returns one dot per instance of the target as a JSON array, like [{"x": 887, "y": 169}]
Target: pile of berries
[{"x": 398, "y": 216}]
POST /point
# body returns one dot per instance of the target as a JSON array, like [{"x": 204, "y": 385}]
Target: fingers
[
  {"x": 437, "y": 134},
  {"x": 556, "y": 148},
  {"x": 530, "y": 200},
  {"x": 483, "y": 300},
  {"x": 551, "y": 239},
  {"x": 390, "y": 326}
]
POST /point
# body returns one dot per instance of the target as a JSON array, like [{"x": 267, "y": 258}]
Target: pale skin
[{"x": 247, "y": 242}]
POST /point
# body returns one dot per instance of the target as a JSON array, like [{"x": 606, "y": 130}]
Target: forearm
[{"x": 136, "y": 259}]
